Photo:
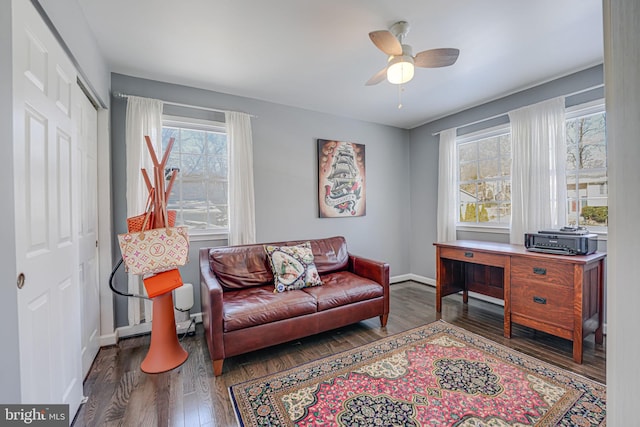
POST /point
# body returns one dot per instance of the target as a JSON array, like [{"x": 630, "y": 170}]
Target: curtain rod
[
  {"x": 486, "y": 119},
  {"x": 177, "y": 104}
]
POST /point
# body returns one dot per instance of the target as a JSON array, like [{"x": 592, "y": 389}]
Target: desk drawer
[
  {"x": 527, "y": 271},
  {"x": 468, "y": 255},
  {"x": 549, "y": 304}
]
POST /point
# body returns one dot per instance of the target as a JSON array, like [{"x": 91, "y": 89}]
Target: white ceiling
[{"x": 317, "y": 55}]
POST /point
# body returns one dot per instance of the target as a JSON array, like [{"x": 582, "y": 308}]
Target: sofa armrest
[
  {"x": 374, "y": 270},
  {"x": 211, "y": 300}
]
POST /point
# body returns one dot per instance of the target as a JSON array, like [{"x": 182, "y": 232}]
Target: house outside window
[
  {"x": 200, "y": 192},
  {"x": 484, "y": 178}
]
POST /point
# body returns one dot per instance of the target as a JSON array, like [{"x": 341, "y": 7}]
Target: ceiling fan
[{"x": 401, "y": 62}]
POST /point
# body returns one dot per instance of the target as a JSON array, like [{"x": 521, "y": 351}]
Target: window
[
  {"x": 484, "y": 178},
  {"x": 484, "y": 172},
  {"x": 199, "y": 194},
  {"x": 587, "y": 167}
]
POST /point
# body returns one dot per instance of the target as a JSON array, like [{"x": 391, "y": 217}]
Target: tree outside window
[{"x": 200, "y": 193}]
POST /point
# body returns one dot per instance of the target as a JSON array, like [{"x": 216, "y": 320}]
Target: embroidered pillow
[{"x": 293, "y": 267}]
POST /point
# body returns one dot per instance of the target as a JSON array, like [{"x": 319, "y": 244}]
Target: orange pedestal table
[{"x": 165, "y": 352}]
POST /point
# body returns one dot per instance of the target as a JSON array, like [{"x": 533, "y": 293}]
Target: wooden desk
[{"x": 558, "y": 294}]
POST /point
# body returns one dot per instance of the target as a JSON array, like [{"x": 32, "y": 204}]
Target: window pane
[
  {"x": 217, "y": 143},
  {"x": 505, "y": 213},
  {"x": 468, "y": 172},
  {"x": 468, "y": 193},
  {"x": 572, "y": 157},
  {"x": 489, "y": 212},
  {"x": 217, "y": 192},
  {"x": 593, "y": 155},
  {"x": 167, "y": 134},
  {"x": 572, "y": 186},
  {"x": 218, "y": 167},
  {"x": 505, "y": 166},
  {"x": 572, "y": 212},
  {"x": 200, "y": 191},
  {"x": 488, "y": 148},
  {"x": 487, "y": 191},
  {"x": 505, "y": 145},
  {"x": 594, "y": 212},
  {"x": 593, "y": 183},
  {"x": 468, "y": 212},
  {"x": 467, "y": 152},
  {"x": 489, "y": 168}
]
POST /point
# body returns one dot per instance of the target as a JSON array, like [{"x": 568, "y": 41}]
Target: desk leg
[
  {"x": 439, "y": 273},
  {"x": 577, "y": 347},
  {"x": 578, "y": 336},
  {"x": 506, "y": 283},
  {"x": 599, "y": 331}
]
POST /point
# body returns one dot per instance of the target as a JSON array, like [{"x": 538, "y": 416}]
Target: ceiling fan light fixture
[{"x": 400, "y": 69}]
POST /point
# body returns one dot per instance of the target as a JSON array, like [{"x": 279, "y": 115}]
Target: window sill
[
  {"x": 483, "y": 229},
  {"x": 208, "y": 235},
  {"x": 602, "y": 234}
]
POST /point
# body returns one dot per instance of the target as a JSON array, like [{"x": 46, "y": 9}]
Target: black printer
[{"x": 564, "y": 241}]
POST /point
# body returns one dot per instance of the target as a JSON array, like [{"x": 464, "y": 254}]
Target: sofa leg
[
  {"x": 383, "y": 320},
  {"x": 217, "y": 367}
]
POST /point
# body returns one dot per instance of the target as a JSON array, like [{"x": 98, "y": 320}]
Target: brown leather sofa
[{"x": 242, "y": 313}]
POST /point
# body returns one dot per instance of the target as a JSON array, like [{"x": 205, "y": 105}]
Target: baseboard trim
[
  {"x": 132, "y": 330},
  {"x": 414, "y": 278},
  {"x": 109, "y": 339},
  {"x": 141, "y": 329}
]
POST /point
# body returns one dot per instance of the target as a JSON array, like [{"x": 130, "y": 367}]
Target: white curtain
[
  {"x": 144, "y": 117},
  {"x": 538, "y": 179},
  {"x": 242, "y": 223},
  {"x": 446, "y": 221}
]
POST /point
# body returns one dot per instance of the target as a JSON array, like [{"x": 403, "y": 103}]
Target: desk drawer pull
[
  {"x": 539, "y": 300},
  {"x": 468, "y": 254},
  {"x": 539, "y": 270}
]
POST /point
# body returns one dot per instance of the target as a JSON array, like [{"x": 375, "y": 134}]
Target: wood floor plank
[{"x": 119, "y": 394}]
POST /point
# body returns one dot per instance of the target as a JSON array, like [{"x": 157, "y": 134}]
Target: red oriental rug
[{"x": 435, "y": 375}]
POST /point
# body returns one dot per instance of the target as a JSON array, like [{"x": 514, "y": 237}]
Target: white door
[
  {"x": 46, "y": 167},
  {"x": 87, "y": 125}
]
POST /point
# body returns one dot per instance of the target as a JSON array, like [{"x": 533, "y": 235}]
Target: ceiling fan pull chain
[{"x": 400, "y": 90}]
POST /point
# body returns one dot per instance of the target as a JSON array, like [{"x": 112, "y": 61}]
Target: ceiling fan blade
[
  {"x": 377, "y": 78},
  {"x": 386, "y": 42},
  {"x": 435, "y": 58}
]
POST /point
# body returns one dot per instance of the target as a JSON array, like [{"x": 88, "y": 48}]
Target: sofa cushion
[
  {"x": 242, "y": 266},
  {"x": 330, "y": 254},
  {"x": 238, "y": 267},
  {"x": 342, "y": 288},
  {"x": 292, "y": 267},
  {"x": 258, "y": 305}
]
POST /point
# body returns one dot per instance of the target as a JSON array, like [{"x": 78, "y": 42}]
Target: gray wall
[
  {"x": 424, "y": 158},
  {"x": 285, "y": 175}
]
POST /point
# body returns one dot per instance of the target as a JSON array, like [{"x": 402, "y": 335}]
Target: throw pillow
[{"x": 293, "y": 267}]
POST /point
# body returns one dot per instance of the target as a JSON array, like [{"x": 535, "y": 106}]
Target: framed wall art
[{"x": 342, "y": 189}]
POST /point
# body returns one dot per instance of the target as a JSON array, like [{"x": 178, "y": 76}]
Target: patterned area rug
[{"x": 435, "y": 375}]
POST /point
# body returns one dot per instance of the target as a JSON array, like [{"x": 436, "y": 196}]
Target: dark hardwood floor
[{"x": 119, "y": 394}]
